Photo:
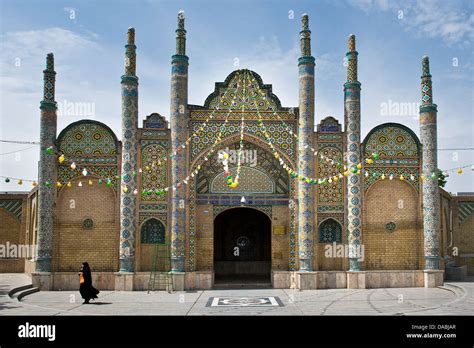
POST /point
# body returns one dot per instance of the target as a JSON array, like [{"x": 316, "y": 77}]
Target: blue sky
[{"x": 392, "y": 36}]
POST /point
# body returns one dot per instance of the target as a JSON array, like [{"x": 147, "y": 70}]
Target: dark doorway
[{"x": 242, "y": 247}]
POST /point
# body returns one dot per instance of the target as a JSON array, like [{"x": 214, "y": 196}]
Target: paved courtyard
[{"x": 451, "y": 299}]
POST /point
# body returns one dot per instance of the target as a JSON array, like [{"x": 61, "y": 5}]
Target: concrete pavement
[{"x": 451, "y": 299}]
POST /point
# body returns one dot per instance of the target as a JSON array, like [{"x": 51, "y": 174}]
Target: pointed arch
[
  {"x": 152, "y": 231},
  {"x": 330, "y": 231}
]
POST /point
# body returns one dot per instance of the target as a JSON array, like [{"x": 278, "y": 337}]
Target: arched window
[
  {"x": 153, "y": 232},
  {"x": 330, "y": 231}
]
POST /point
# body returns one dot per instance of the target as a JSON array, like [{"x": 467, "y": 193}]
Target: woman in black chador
[{"x": 85, "y": 279}]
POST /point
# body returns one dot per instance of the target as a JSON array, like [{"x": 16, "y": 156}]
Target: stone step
[
  {"x": 16, "y": 290},
  {"x": 458, "y": 291},
  {"x": 26, "y": 293},
  {"x": 218, "y": 286}
]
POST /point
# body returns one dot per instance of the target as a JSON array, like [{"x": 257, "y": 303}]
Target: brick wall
[
  {"x": 9, "y": 228},
  {"x": 73, "y": 244},
  {"x": 204, "y": 238},
  {"x": 147, "y": 257},
  {"x": 280, "y": 242},
  {"x": 13, "y": 231},
  {"x": 392, "y": 201},
  {"x": 331, "y": 262},
  {"x": 147, "y": 253},
  {"x": 464, "y": 237}
]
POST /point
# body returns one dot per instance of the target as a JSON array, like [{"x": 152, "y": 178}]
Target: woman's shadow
[{"x": 99, "y": 303}]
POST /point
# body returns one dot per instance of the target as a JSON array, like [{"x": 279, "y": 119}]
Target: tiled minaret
[
  {"x": 128, "y": 183},
  {"x": 305, "y": 143},
  {"x": 353, "y": 153},
  {"x": 47, "y": 170},
  {"x": 179, "y": 122},
  {"x": 428, "y": 138}
]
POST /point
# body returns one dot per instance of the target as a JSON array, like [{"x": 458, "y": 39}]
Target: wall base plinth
[
  {"x": 356, "y": 280},
  {"x": 204, "y": 280},
  {"x": 42, "y": 280},
  {"x": 433, "y": 278},
  {"x": 124, "y": 281}
]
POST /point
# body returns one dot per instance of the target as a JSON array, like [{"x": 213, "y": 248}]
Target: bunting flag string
[{"x": 242, "y": 82}]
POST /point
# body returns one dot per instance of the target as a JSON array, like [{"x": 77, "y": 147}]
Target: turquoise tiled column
[
  {"x": 179, "y": 123},
  {"x": 128, "y": 200},
  {"x": 305, "y": 143},
  {"x": 353, "y": 153},
  {"x": 47, "y": 171},
  {"x": 428, "y": 138}
]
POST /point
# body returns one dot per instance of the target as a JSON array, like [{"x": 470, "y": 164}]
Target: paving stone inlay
[
  {"x": 270, "y": 301},
  {"x": 453, "y": 298}
]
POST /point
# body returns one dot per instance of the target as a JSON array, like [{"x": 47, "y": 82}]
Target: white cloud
[
  {"x": 276, "y": 66},
  {"x": 30, "y": 44},
  {"x": 447, "y": 20},
  {"x": 25, "y": 55},
  {"x": 21, "y": 77}
]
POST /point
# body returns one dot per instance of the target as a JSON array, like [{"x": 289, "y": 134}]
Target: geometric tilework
[
  {"x": 129, "y": 166},
  {"x": 392, "y": 141},
  {"x": 329, "y": 125},
  {"x": 330, "y": 209},
  {"x": 465, "y": 210},
  {"x": 181, "y": 35},
  {"x": 330, "y": 195},
  {"x": 191, "y": 247},
  {"x": 251, "y": 181},
  {"x": 162, "y": 216},
  {"x": 293, "y": 227},
  {"x": 351, "y": 61},
  {"x": 354, "y": 187},
  {"x": 339, "y": 217},
  {"x": 152, "y": 232},
  {"x": 330, "y": 231},
  {"x": 352, "y": 69},
  {"x": 49, "y": 80},
  {"x": 87, "y": 138},
  {"x": 130, "y": 53},
  {"x": 91, "y": 145},
  {"x": 429, "y": 139},
  {"x": 354, "y": 157},
  {"x": 156, "y": 207},
  {"x": 179, "y": 117},
  {"x": 426, "y": 87},
  {"x": 252, "y": 99},
  {"x": 305, "y": 210},
  {"x": 431, "y": 221},
  {"x": 155, "y": 120},
  {"x": 156, "y": 176},
  {"x": 399, "y": 154},
  {"x": 305, "y": 37},
  {"x": 13, "y": 206},
  {"x": 47, "y": 171},
  {"x": 330, "y": 192},
  {"x": 278, "y": 133},
  {"x": 148, "y": 133},
  {"x": 265, "y": 164}
]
